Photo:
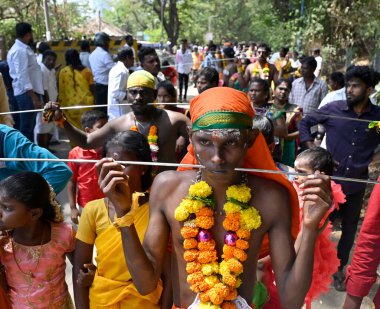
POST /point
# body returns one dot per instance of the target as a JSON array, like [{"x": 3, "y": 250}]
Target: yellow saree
[
  {"x": 113, "y": 287},
  {"x": 74, "y": 90}
]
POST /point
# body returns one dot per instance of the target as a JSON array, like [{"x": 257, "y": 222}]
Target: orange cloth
[{"x": 257, "y": 157}]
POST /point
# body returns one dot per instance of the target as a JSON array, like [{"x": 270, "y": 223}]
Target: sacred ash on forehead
[{"x": 222, "y": 133}]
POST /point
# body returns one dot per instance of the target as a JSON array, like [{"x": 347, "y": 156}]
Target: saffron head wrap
[
  {"x": 223, "y": 107},
  {"x": 141, "y": 78}
]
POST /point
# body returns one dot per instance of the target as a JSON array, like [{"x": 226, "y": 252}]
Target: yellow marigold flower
[
  {"x": 238, "y": 283},
  {"x": 210, "y": 268},
  {"x": 241, "y": 193},
  {"x": 192, "y": 206},
  {"x": 181, "y": 213},
  {"x": 235, "y": 266},
  {"x": 212, "y": 280},
  {"x": 224, "y": 270},
  {"x": 200, "y": 189},
  {"x": 207, "y": 305},
  {"x": 230, "y": 280},
  {"x": 231, "y": 207},
  {"x": 250, "y": 219}
]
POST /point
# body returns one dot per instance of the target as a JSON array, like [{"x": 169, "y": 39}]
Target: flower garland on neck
[
  {"x": 216, "y": 282},
  {"x": 153, "y": 145},
  {"x": 256, "y": 71}
]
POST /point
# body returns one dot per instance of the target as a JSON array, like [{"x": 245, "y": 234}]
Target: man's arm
[
  {"x": 72, "y": 194},
  {"x": 244, "y": 77},
  {"x": 310, "y": 120},
  {"x": 183, "y": 124},
  {"x": 86, "y": 141},
  {"x": 145, "y": 262},
  {"x": 280, "y": 129},
  {"x": 294, "y": 272}
]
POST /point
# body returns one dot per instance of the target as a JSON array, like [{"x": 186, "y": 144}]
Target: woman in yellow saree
[
  {"x": 75, "y": 83},
  {"x": 113, "y": 287}
]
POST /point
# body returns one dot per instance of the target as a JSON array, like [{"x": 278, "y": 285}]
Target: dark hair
[
  {"x": 85, "y": 45},
  {"x": 48, "y": 53},
  {"x": 338, "y": 77},
  {"x": 310, "y": 61},
  {"x": 283, "y": 80},
  {"x": 285, "y": 49},
  {"x": 30, "y": 189},
  {"x": 319, "y": 159},
  {"x": 265, "y": 126},
  {"x": 169, "y": 87},
  {"x": 165, "y": 63},
  {"x": 43, "y": 46},
  {"x": 261, "y": 82},
  {"x": 124, "y": 53},
  {"x": 89, "y": 118},
  {"x": 364, "y": 73},
  {"x": 316, "y": 51},
  {"x": 145, "y": 51},
  {"x": 265, "y": 46},
  {"x": 229, "y": 52},
  {"x": 136, "y": 143},
  {"x": 72, "y": 58},
  {"x": 23, "y": 29},
  {"x": 184, "y": 41},
  {"x": 128, "y": 36},
  {"x": 211, "y": 75}
]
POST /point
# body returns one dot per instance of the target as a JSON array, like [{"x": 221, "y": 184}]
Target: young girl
[
  {"x": 326, "y": 262},
  {"x": 112, "y": 286},
  {"x": 38, "y": 241}
]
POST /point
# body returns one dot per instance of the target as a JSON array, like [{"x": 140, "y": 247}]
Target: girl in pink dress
[
  {"x": 38, "y": 241},
  {"x": 326, "y": 261}
]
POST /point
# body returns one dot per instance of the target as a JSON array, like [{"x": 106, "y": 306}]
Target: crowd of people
[{"x": 175, "y": 221}]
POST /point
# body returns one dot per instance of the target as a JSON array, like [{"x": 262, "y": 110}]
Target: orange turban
[{"x": 214, "y": 108}]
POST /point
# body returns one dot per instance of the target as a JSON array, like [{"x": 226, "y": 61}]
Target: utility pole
[
  {"x": 47, "y": 20},
  {"x": 163, "y": 4}
]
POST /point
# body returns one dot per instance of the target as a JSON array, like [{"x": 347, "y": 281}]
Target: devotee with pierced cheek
[
  {"x": 217, "y": 217},
  {"x": 162, "y": 127}
]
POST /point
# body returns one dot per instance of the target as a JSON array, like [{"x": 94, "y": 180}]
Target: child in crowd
[
  {"x": 112, "y": 286},
  {"x": 36, "y": 245},
  {"x": 83, "y": 186}
]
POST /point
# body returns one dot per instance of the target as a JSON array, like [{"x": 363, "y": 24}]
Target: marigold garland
[
  {"x": 153, "y": 145},
  {"x": 217, "y": 282},
  {"x": 256, "y": 71}
]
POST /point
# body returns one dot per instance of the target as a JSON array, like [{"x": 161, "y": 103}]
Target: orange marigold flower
[
  {"x": 221, "y": 289},
  {"x": 232, "y": 295},
  {"x": 200, "y": 286},
  {"x": 204, "y": 222},
  {"x": 230, "y": 223},
  {"x": 134, "y": 128},
  {"x": 206, "y": 245},
  {"x": 204, "y": 297},
  {"x": 235, "y": 266},
  {"x": 243, "y": 234},
  {"x": 195, "y": 277},
  {"x": 190, "y": 255},
  {"x": 205, "y": 211},
  {"x": 215, "y": 298},
  {"x": 242, "y": 244},
  {"x": 189, "y": 232},
  {"x": 240, "y": 255},
  {"x": 193, "y": 267},
  {"x": 207, "y": 256},
  {"x": 153, "y": 130},
  {"x": 228, "y": 305},
  {"x": 230, "y": 280},
  {"x": 228, "y": 252},
  {"x": 189, "y": 243}
]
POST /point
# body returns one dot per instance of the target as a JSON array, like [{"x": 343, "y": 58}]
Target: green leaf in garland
[
  {"x": 207, "y": 201},
  {"x": 242, "y": 205}
]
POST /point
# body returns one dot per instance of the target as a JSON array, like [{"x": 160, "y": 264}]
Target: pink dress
[
  {"x": 326, "y": 262},
  {"x": 39, "y": 286}
]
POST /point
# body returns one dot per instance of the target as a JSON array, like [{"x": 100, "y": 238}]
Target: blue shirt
[
  {"x": 16, "y": 145},
  {"x": 350, "y": 142}
]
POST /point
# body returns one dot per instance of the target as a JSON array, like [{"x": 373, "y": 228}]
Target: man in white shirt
[
  {"x": 84, "y": 55},
  {"x": 43, "y": 131},
  {"x": 27, "y": 77},
  {"x": 184, "y": 62},
  {"x": 129, "y": 43},
  {"x": 101, "y": 63},
  {"x": 318, "y": 58},
  {"x": 117, "y": 83}
]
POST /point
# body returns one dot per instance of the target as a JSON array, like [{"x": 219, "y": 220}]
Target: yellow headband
[{"x": 141, "y": 78}]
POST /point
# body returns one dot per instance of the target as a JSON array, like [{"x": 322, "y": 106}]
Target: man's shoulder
[{"x": 169, "y": 182}]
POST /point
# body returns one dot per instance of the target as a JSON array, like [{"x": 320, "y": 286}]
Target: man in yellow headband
[
  {"x": 217, "y": 217},
  {"x": 161, "y": 127}
]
